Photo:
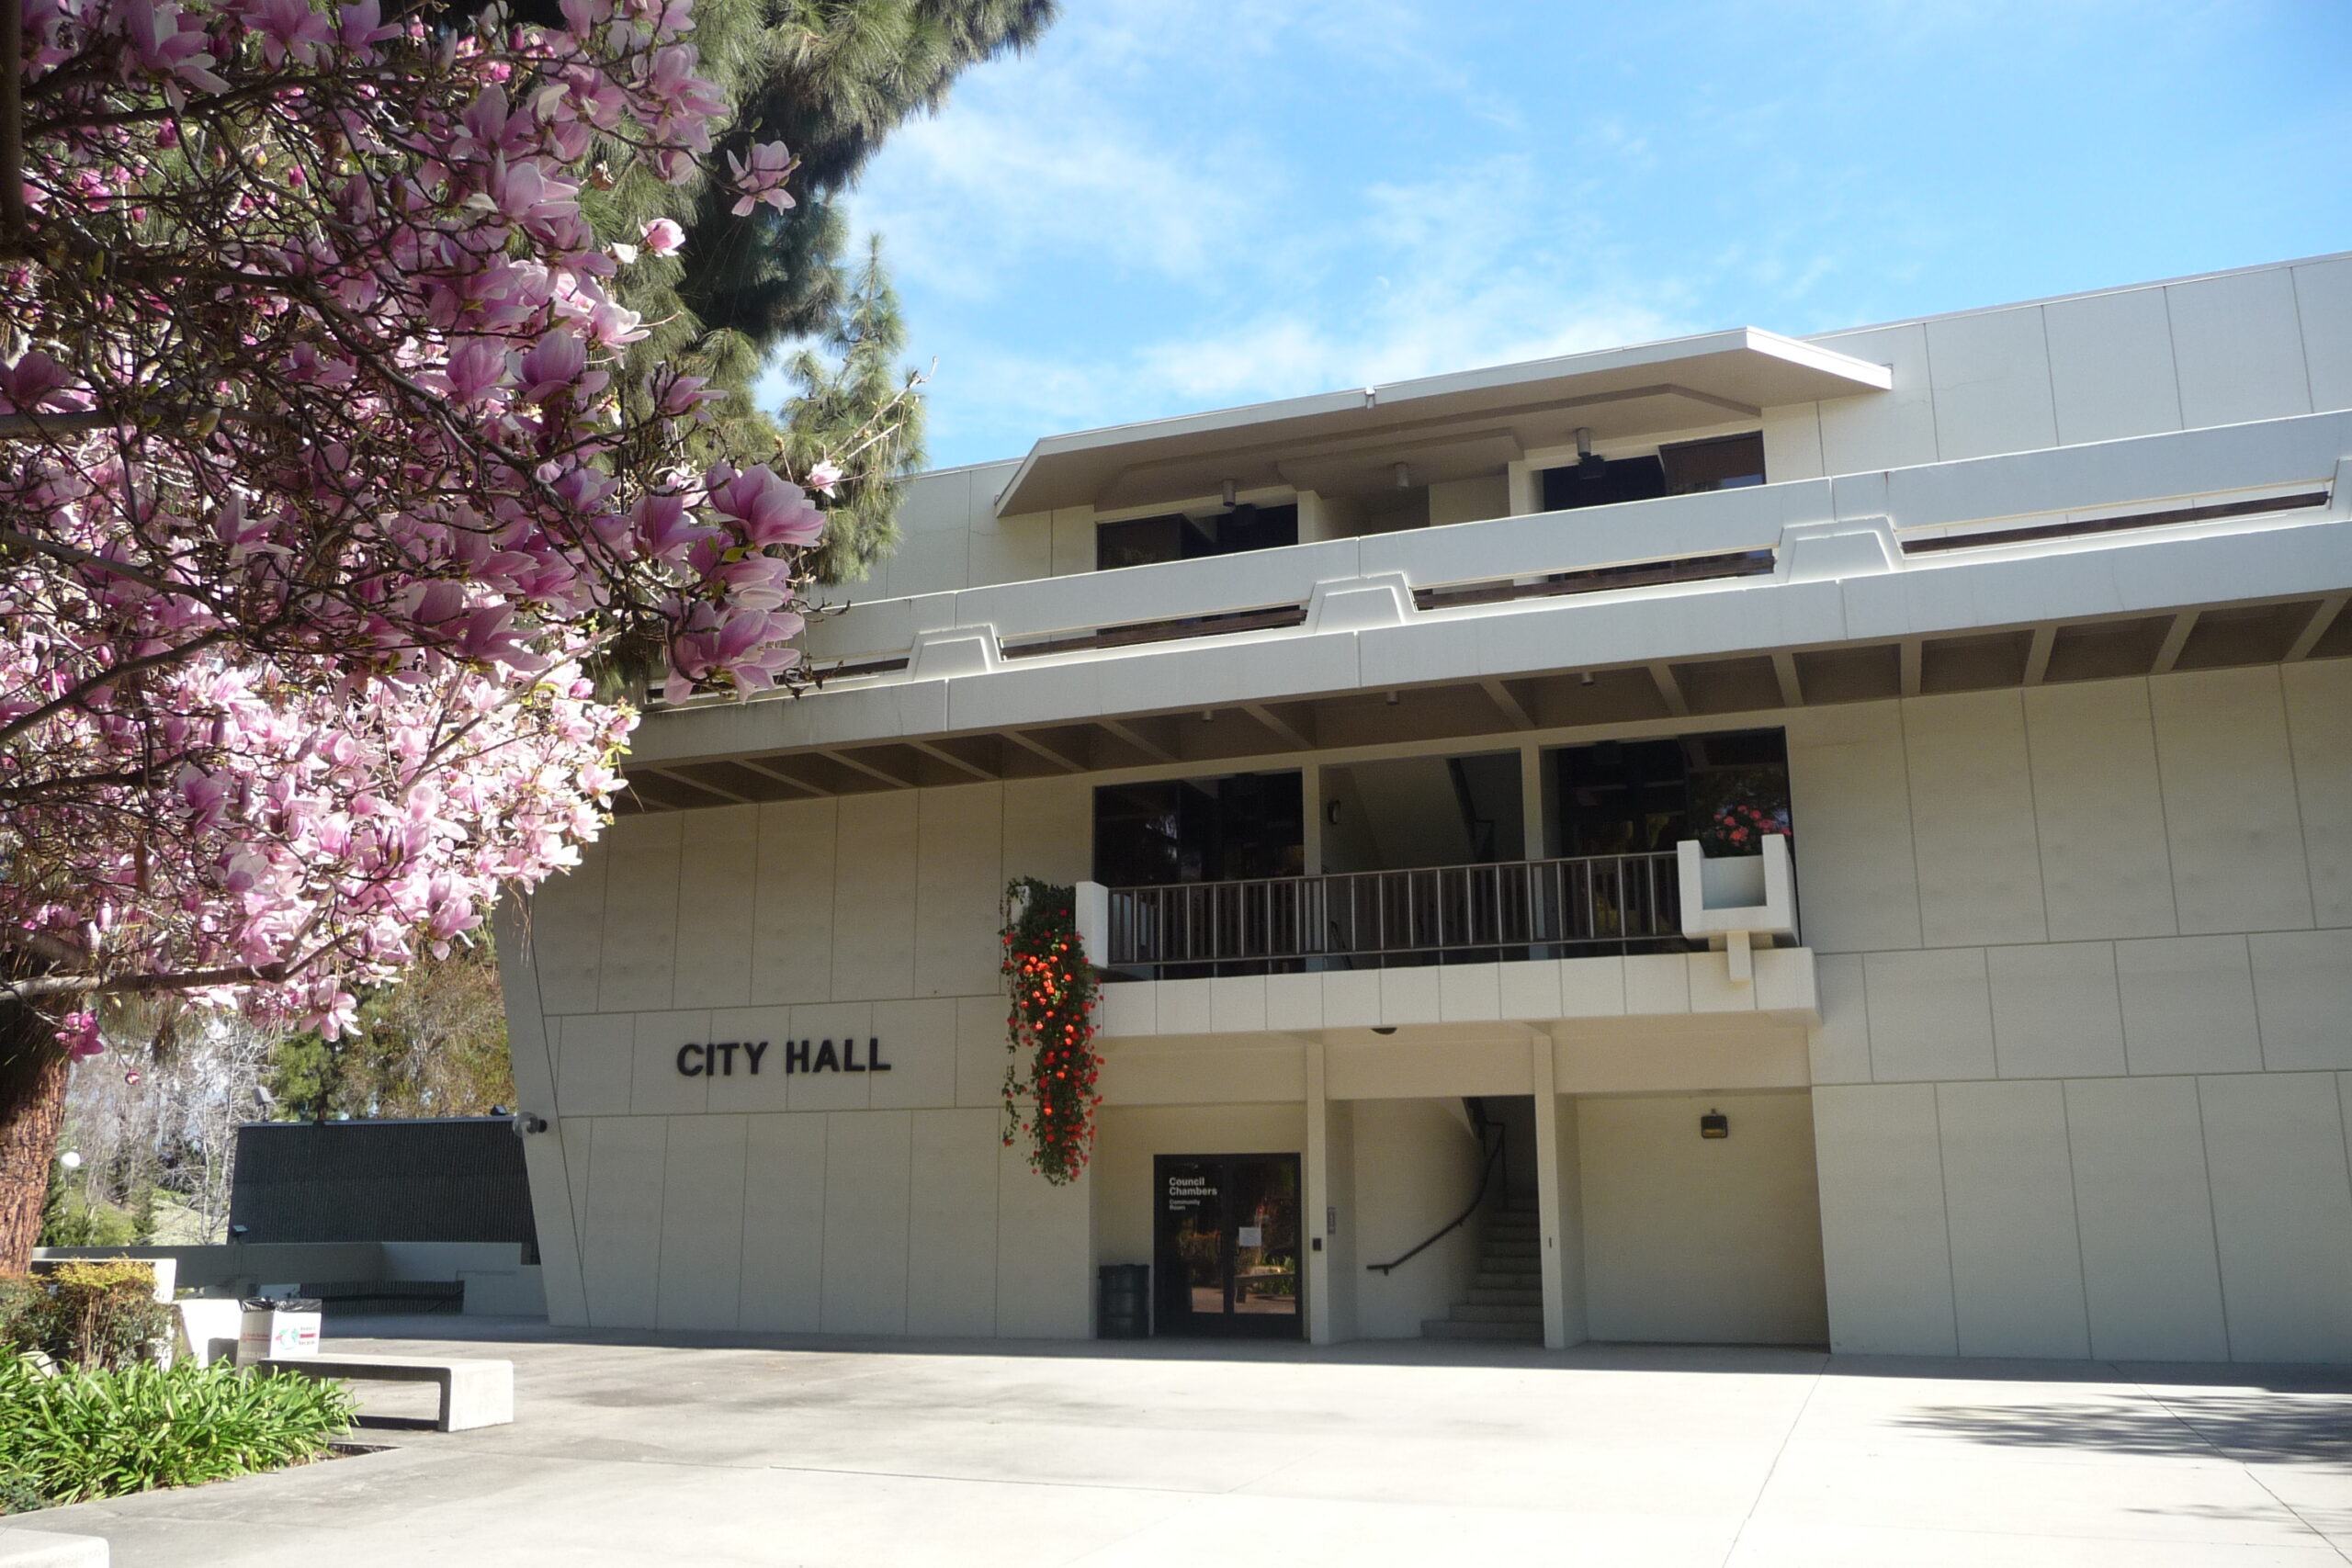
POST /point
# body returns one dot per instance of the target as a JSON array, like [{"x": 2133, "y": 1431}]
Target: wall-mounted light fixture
[
  {"x": 1331, "y": 812},
  {"x": 1714, "y": 1124},
  {"x": 1231, "y": 493}
]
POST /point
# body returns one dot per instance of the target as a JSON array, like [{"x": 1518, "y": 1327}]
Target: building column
[
  {"x": 1328, "y": 1224},
  {"x": 1559, "y": 1203}
]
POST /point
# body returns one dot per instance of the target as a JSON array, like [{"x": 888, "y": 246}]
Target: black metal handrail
[
  {"x": 1486, "y": 1177},
  {"x": 1606, "y": 901}
]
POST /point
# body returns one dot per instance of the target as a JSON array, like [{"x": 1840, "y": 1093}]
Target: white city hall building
[{"x": 1387, "y": 735}]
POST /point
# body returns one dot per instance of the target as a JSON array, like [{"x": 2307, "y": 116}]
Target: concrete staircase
[{"x": 1506, "y": 1301}]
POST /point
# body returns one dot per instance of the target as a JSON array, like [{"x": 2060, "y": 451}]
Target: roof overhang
[{"x": 1336, "y": 443}]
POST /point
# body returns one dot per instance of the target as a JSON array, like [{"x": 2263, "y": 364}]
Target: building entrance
[{"x": 1226, "y": 1246}]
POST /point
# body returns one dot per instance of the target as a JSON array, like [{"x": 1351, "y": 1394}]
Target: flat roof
[{"x": 1442, "y": 427}]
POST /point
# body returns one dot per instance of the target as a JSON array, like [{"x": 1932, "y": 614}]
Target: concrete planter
[
  {"x": 1732, "y": 882},
  {"x": 1732, "y": 900}
]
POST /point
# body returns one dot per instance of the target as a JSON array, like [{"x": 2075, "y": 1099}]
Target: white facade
[{"x": 2057, "y": 1063}]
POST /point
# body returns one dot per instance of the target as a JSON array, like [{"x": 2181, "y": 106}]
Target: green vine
[{"x": 1050, "y": 1098}]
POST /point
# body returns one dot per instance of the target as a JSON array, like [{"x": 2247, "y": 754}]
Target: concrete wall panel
[
  {"x": 952, "y": 1229},
  {"x": 2319, "y": 726},
  {"x": 2239, "y": 348},
  {"x": 959, "y": 890},
  {"x": 2188, "y": 1005},
  {"x": 1416, "y": 1168},
  {"x": 1044, "y": 1266},
  {"x": 2282, "y": 1214},
  {"x": 2303, "y": 993},
  {"x": 1972, "y": 820},
  {"x": 784, "y": 1224},
  {"x": 2104, "y": 866},
  {"x": 717, "y": 896},
  {"x": 792, "y": 931},
  {"x": 1885, "y": 1255},
  {"x": 2008, "y": 1187},
  {"x": 1990, "y": 370},
  {"x": 2111, "y": 365},
  {"x": 867, "y": 1189},
  {"x": 1702, "y": 1241},
  {"x": 2230, "y": 815},
  {"x": 2149, "y": 1271},
  {"x": 1930, "y": 1015},
  {"x": 621, "y": 1252},
  {"x": 1849, "y": 791},
  {"x": 874, "y": 896},
  {"x": 702, "y": 1223},
  {"x": 2055, "y": 1011},
  {"x": 639, "y": 968}
]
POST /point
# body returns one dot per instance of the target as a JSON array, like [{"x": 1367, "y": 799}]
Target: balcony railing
[{"x": 1366, "y": 919}]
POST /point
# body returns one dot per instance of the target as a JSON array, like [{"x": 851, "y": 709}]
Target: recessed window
[
  {"x": 1726, "y": 462},
  {"x": 1599, "y": 481},
  {"x": 1176, "y": 536},
  {"x": 1642, "y": 796},
  {"x": 1730, "y": 462},
  {"x": 1235, "y": 828}
]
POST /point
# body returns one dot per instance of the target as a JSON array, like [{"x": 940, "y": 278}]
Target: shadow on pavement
[{"x": 2254, "y": 1428}]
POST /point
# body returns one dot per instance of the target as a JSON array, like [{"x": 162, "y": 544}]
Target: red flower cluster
[
  {"x": 1739, "y": 827},
  {"x": 1049, "y": 1097}
]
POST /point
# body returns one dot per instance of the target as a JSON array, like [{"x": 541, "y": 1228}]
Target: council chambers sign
[{"x": 717, "y": 1058}]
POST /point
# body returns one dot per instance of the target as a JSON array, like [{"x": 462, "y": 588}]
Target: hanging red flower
[{"x": 1049, "y": 1097}]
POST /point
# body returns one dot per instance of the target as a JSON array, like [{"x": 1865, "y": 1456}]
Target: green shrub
[
  {"x": 76, "y": 1435},
  {"x": 86, "y": 1314},
  {"x": 20, "y": 1495}
]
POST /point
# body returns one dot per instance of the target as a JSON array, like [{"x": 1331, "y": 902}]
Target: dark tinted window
[
  {"x": 1638, "y": 796},
  {"x": 1228, "y": 830},
  {"x": 1145, "y": 541},
  {"x": 1726, "y": 463},
  {"x": 1595, "y": 482}
]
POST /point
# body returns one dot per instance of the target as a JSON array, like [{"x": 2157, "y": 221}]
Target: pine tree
[
  {"x": 863, "y": 413},
  {"x": 839, "y": 76}
]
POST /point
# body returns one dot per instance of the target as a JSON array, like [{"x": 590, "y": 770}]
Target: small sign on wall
[{"x": 717, "y": 1058}]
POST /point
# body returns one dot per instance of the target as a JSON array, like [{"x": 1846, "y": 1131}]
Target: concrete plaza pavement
[{"x": 743, "y": 1450}]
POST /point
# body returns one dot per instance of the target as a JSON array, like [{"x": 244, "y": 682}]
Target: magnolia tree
[{"x": 321, "y": 486}]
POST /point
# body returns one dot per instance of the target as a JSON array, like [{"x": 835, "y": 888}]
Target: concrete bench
[
  {"x": 21, "y": 1548},
  {"x": 473, "y": 1393}
]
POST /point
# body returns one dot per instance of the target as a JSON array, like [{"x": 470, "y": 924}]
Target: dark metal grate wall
[{"x": 454, "y": 1181}]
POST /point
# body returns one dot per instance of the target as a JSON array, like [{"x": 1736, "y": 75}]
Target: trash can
[
  {"x": 272, "y": 1327},
  {"x": 1123, "y": 1309}
]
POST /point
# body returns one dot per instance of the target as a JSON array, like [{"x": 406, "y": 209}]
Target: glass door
[{"x": 1226, "y": 1245}]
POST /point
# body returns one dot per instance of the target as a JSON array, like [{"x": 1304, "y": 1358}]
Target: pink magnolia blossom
[
  {"x": 394, "y": 508},
  {"x": 761, "y": 179}
]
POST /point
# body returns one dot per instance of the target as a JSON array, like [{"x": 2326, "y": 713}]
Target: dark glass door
[{"x": 1226, "y": 1244}]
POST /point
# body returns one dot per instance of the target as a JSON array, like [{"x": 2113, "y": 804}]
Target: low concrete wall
[{"x": 498, "y": 1282}]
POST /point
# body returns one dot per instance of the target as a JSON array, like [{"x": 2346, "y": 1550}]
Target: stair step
[
  {"x": 1515, "y": 1296},
  {"x": 1449, "y": 1329},
  {"x": 1527, "y": 1264},
  {"x": 1508, "y": 1249},
  {"x": 1507, "y": 1279},
  {"x": 1509, "y": 1311}
]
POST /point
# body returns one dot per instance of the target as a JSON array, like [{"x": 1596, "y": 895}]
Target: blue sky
[{"x": 1184, "y": 204}]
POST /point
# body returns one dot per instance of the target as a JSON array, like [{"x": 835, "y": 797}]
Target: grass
[{"x": 76, "y": 1435}]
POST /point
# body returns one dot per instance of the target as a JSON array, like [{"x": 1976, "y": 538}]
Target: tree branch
[{"x": 12, "y": 124}]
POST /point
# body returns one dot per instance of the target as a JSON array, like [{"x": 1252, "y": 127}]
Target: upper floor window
[
  {"x": 1237, "y": 829},
  {"x": 1620, "y": 798},
  {"x": 1179, "y": 536},
  {"x": 1724, "y": 462}
]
